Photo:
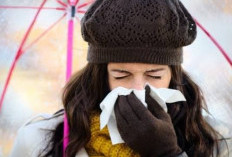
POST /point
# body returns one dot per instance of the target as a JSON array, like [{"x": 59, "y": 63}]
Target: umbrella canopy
[
  {"x": 40, "y": 73},
  {"x": 45, "y": 20}
]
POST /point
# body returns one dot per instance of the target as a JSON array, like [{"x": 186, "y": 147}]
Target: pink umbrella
[{"x": 73, "y": 7}]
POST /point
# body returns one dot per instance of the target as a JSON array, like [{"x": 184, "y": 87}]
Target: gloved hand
[{"x": 149, "y": 133}]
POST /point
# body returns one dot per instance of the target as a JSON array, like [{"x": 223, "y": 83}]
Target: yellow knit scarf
[{"x": 100, "y": 144}]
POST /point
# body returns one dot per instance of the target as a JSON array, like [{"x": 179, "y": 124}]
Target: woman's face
[{"x": 136, "y": 75}]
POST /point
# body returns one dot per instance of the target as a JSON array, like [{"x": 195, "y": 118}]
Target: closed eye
[
  {"x": 118, "y": 78},
  {"x": 155, "y": 77}
]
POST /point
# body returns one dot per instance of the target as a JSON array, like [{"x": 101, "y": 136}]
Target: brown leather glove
[{"x": 149, "y": 133}]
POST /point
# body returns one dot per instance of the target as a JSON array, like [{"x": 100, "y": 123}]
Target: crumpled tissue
[{"x": 107, "y": 117}]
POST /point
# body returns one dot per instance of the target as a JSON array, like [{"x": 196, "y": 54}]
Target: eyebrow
[
  {"x": 127, "y": 72},
  {"x": 155, "y": 70}
]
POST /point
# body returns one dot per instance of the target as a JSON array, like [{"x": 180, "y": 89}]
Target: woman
[{"x": 131, "y": 43}]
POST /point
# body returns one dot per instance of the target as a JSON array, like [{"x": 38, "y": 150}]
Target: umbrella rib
[
  {"x": 81, "y": 11},
  {"x": 62, "y": 3},
  {"x": 25, "y": 7},
  {"x": 19, "y": 53},
  {"x": 69, "y": 2},
  {"x": 45, "y": 32},
  {"x": 215, "y": 43},
  {"x": 75, "y": 3}
]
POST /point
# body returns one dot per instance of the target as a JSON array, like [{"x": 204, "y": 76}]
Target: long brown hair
[{"x": 88, "y": 87}]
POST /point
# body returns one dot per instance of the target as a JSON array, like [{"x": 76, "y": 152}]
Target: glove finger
[
  {"x": 120, "y": 119},
  {"x": 155, "y": 108},
  {"x": 126, "y": 110},
  {"x": 147, "y": 90},
  {"x": 122, "y": 123},
  {"x": 138, "y": 107}
]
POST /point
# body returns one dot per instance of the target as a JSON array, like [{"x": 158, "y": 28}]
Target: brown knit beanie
[{"x": 147, "y": 31}]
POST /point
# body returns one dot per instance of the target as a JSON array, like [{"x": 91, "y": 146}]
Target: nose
[{"x": 138, "y": 83}]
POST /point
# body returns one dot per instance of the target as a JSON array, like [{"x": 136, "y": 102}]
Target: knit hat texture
[{"x": 146, "y": 31}]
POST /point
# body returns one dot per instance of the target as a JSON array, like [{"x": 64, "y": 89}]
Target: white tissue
[
  {"x": 166, "y": 95},
  {"x": 107, "y": 117}
]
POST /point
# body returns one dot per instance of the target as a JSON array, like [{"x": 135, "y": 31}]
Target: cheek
[
  {"x": 111, "y": 83},
  {"x": 160, "y": 83}
]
